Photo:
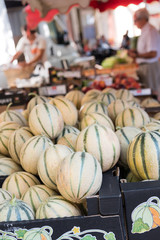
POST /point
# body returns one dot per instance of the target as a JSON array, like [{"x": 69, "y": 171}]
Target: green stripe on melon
[
  {"x": 107, "y": 98},
  {"x": 4, "y": 195},
  {"x": 75, "y": 96},
  {"x": 116, "y": 107},
  {"x": 8, "y": 166}
]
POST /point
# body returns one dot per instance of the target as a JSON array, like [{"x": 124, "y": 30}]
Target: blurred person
[
  {"x": 103, "y": 42},
  {"x": 125, "y": 41},
  {"x": 147, "y": 52},
  {"x": 32, "y": 45}
]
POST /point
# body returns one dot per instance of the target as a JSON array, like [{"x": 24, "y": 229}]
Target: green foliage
[
  {"x": 139, "y": 226},
  {"x": 110, "y": 236},
  {"x": 20, "y": 233},
  {"x": 88, "y": 237}
]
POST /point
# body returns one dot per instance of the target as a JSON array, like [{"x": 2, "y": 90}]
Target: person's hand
[
  {"x": 132, "y": 53},
  {"x": 22, "y": 64}
]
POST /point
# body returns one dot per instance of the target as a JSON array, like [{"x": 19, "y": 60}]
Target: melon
[
  {"x": 79, "y": 175},
  {"x": 31, "y": 151},
  {"x": 90, "y": 95},
  {"x": 4, "y": 195},
  {"x": 95, "y": 117},
  {"x": 69, "y": 140},
  {"x": 49, "y": 162},
  {"x": 36, "y": 194},
  {"x": 16, "y": 141},
  {"x": 149, "y": 102},
  {"x": 132, "y": 117},
  {"x": 124, "y": 94},
  {"x": 8, "y": 166},
  {"x": 125, "y": 136},
  {"x": 75, "y": 96},
  {"x": 93, "y": 106},
  {"x": 67, "y": 109},
  {"x": 116, "y": 107},
  {"x": 35, "y": 101},
  {"x": 57, "y": 207},
  {"x": 12, "y": 116},
  {"x": 143, "y": 155},
  {"x": 157, "y": 116},
  {"x": 15, "y": 210},
  {"x": 43, "y": 233},
  {"x": 6, "y": 129},
  {"x": 107, "y": 98},
  {"x": 68, "y": 129},
  {"x": 151, "y": 126},
  {"x": 110, "y": 90},
  {"x": 132, "y": 103},
  {"x": 19, "y": 182},
  {"x": 132, "y": 178},
  {"x": 46, "y": 119},
  {"x": 102, "y": 143}
]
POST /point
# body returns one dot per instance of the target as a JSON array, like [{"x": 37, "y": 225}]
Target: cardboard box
[
  {"x": 138, "y": 197},
  {"x": 104, "y": 219}
]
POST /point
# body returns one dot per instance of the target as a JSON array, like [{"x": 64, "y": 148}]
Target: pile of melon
[{"x": 54, "y": 153}]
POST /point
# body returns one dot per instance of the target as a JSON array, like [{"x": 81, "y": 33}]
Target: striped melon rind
[
  {"x": 132, "y": 117},
  {"x": 110, "y": 90},
  {"x": 46, "y": 119},
  {"x": 57, "y": 207},
  {"x": 75, "y": 96},
  {"x": 19, "y": 182},
  {"x": 8, "y": 166},
  {"x": 152, "y": 126},
  {"x": 67, "y": 109},
  {"x": 157, "y": 116},
  {"x": 143, "y": 155},
  {"x": 31, "y": 151},
  {"x": 116, "y": 107},
  {"x": 93, "y": 106},
  {"x": 90, "y": 95},
  {"x": 35, "y": 101},
  {"x": 69, "y": 140},
  {"x": 124, "y": 94},
  {"x": 6, "y": 129},
  {"x": 125, "y": 136},
  {"x": 132, "y": 178},
  {"x": 79, "y": 175},
  {"x": 102, "y": 143},
  {"x": 4, "y": 195},
  {"x": 13, "y": 116},
  {"x": 68, "y": 129},
  {"x": 149, "y": 102},
  {"x": 16, "y": 141},
  {"x": 36, "y": 194},
  {"x": 100, "y": 118},
  {"x": 49, "y": 162},
  {"x": 15, "y": 210},
  {"x": 107, "y": 98}
]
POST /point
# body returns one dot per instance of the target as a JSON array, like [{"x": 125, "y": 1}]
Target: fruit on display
[
  {"x": 75, "y": 96},
  {"x": 124, "y": 94},
  {"x": 46, "y": 119},
  {"x": 18, "y": 183},
  {"x": 133, "y": 103},
  {"x": 69, "y": 140},
  {"x": 96, "y": 117},
  {"x": 90, "y": 95},
  {"x": 55, "y": 207},
  {"x": 116, "y": 107},
  {"x": 33, "y": 147},
  {"x": 157, "y": 116},
  {"x": 125, "y": 136},
  {"x": 68, "y": 129},
  {"x": 151, "y": 126},
  {"x": 109, "y": 90},
  {"x": 68, "y": 110},
  {"x": 79, "y": 175},
  {"x": 93, "y": 106},
  {"x": 6, "y": 129},
  {"x": 36, "y": 194},
  {"x": 149, "y": 102},
  {"x": 109, "y": 62},
  {"x": 122, "y": 80},
  {"x": 107, "y": 98},
  {"x": 135, "y": 117},
  {"x": 36, "y": 99},
  {"x": 102, "y": 143},
  {"x": 10, "y": 207},
  {"x": 12, "y": 116},
  {"x": 4, "y": 195},
  {"x": 8, "y": 166},
  {"x": 143, "y": 155},
  {"x": 132, "y": 178},
  {"x": 16, "y": 141},
  {"x": 49, "y": 162}
]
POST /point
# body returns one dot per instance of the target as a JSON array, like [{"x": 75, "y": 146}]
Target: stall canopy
[{"x": 45, "y": 10}]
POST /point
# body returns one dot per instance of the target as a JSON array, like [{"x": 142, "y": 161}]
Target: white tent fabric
[{"x": 62, "y": 5}]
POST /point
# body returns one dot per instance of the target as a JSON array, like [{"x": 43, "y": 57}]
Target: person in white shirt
[
  {"x": 147, "y": 54},
  {"x": 33, "y": 46}
]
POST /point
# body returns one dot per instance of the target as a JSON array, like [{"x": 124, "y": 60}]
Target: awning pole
[{"x": 145, "y": 2}]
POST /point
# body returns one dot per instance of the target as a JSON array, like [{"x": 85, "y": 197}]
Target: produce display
[{"x": 57, "y": 157}]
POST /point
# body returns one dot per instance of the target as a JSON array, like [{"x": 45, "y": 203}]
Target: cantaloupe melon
[
  {"x": 69, "y": 140},
  {"x": 75, "y": 96},
  {"x": 90, "y": 95},
  {"x": 107, "y": 98},
  {"x": 8, "y": 166},
  {"x": 4, "y": 195},
  {"x": 68, "y": 129},
  {"x": 110, "y": 90},
  {"x": 124, "y": 94},
  {"x": 116, "y": 107},
  {"x": 35, "y": 101}
]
